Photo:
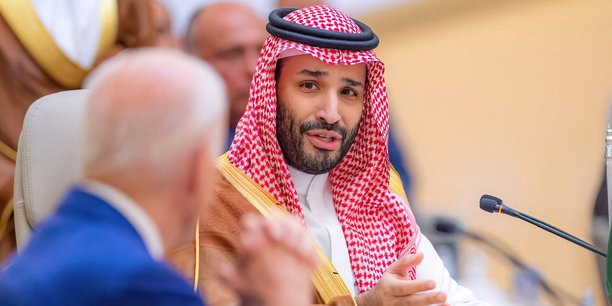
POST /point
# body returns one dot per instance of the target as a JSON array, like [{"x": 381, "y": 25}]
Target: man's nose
[{"x": 328, "y": 110}]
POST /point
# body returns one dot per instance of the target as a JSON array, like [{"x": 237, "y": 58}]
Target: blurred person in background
[
  {"x": 229, "y": 37},
  {"x": 312, "y": 143},
  {"x": 47, "y": 46},
  {"x": 151, "y": 135},
  {"x": 163, "y": 27}
]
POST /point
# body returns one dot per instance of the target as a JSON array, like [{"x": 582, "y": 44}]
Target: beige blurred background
[{"x": 508, "y": 98}]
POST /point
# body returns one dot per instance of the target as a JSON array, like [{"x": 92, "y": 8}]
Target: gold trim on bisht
[
  {"x": 326, "y": 279},
  {"x": 22, "y": 19},
  {"x": 5, "y": 218},
  {"x": 7, "y": 151},
  {"x": 7, "y": 212},
  {"x": 109, "y": 26},
  {"x": 196, "y": 267}
]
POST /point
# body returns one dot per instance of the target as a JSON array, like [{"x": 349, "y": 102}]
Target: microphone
[{"x": 493, "y": 204}]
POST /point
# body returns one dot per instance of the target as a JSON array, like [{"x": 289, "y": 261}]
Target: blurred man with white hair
[
  {"x": 47, "y": 46},
  {"x": 151, "y": 135}
]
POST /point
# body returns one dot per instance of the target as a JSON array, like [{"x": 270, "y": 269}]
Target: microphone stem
[
  {"x": 518, "y": 263},
  {"x": 554, "y": 292},
  {"x": 558, "y": 232}
]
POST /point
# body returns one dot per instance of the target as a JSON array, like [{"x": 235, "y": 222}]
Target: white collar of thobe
[
  {"x": 135, "y": 215},
  {"x": 303, "y": 181}
]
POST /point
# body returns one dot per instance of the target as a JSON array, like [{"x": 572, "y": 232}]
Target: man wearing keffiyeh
[{"x": 312, "y": 143}]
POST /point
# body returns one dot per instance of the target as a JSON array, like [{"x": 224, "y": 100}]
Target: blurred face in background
[
  {"x": 163, "y": 28},
  {"x": 229, "y": 36}
]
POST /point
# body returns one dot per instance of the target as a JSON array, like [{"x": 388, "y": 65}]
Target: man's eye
[
  {"x": 308, "y": 85},
  {"x": 231, "y": 55},
  {"x": 348, "y": 92}
]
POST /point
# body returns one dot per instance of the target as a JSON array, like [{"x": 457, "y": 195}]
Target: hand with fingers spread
[
  {"x": 395, "y": 288},
  {"x": 275, "y": 263}
]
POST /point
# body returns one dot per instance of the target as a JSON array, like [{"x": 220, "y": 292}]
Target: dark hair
[{"x": 277, "y": 70}]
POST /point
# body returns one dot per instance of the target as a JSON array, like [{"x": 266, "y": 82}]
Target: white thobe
[{"x": 315, "y": 195}]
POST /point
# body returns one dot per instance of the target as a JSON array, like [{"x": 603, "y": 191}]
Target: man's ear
[
  {"x": 202, "y": 173},
  {"x": 200, "y": 164}
]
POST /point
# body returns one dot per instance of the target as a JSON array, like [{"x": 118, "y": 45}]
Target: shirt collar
[
  {"x": 135, "y": 215},
  {"x": 303, "y": 181}
]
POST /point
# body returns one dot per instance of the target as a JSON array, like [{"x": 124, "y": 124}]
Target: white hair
[{"x": 151, "y": 107}]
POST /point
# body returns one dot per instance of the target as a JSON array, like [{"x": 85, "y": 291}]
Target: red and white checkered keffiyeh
[{"x": 377, "y": 224}]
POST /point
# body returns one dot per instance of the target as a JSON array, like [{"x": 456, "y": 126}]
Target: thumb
[{"x": 402, "y": 265}]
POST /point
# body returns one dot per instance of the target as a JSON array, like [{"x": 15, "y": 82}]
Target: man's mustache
[{"x": 322, "y": 125}]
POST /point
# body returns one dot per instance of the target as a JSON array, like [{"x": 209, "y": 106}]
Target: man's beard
[{"x": 290, "y": 135}]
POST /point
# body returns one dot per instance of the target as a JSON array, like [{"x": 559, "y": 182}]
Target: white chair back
[{"x": 47, "y": 158}]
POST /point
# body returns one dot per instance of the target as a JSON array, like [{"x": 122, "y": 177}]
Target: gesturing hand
[
  {"x": 394, "y": 287},
  {"x": 275, "y": 263}
]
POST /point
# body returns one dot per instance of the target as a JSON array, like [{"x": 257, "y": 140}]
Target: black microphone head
[
  {"x": 494, "y": 198},
  {"x": 447, "y": 225},
  {"x": 490, "y": 203}
]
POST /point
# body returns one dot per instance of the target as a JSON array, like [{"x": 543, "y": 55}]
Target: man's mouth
[{"x": 324, "y": 139}]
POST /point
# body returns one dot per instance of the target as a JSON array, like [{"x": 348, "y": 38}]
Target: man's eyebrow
[
  {"x": 352, "y": 82},
  {"x": 313, "y": 73}
]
